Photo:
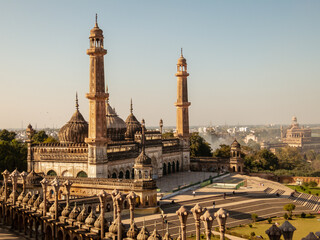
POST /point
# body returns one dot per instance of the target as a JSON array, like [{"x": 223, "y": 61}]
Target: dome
[
  {"x": 235, "y": 144},
  {"x": 96, "y": 32},
  {"x": 133, "y": 125},
  {"x": 116, "y": 127},
  {"x": 143, "y": 234},
  {"x": 90, "y": 219},
  {"x": 83, "y": 215},
  {"x": 76, "y": 130},
  {"x": 133, "y": 231},
  {"x": 66, "y": 211},
  {"x": 182, "y": 61},
  {"x": 143, "y": 159}
]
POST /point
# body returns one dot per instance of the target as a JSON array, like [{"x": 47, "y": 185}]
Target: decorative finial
[
  {"x": 96, "y": 20},
  {"x": 143, "y": 135},
  {"x": 181, "y": 52},
  {"x": 107, "y": 91},
  {"x": 77, "y": 104},
  {"x": 131, "y": 108}
]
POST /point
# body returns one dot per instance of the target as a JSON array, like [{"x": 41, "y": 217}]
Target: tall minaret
[
  {"x": 97, "y": 150},
  {"x": 182, "y": 105}
]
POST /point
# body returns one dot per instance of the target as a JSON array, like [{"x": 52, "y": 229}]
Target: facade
[{"x": 106, "y": 146}]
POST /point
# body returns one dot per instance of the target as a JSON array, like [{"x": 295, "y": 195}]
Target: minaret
[
  {"x": 182, "y": 106},
  {"x": 182, "y": 103},
  {"x": 97, "y": 150}
]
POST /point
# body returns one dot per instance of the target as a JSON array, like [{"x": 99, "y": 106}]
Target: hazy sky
[{"x": 250, "y": 62}]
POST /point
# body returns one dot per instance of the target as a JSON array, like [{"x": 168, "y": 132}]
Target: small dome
[
  {"x": 74, "y": 213},
  {"x": 83, "y": 215},
  {"x": 76, "y": 130},
  {"x": 133, "y": 231},
  {"x": 66, "y": 211},
  {"x": 294, "y": 119},
  {"x": 90, "y": 219},
  {"x": 133, "y": 125},
  {"x": 235, "y": 144},
  {"x": 143, "y": 234},
  {"x": 116, "y": 127},
  {"x": 182, "y": 61},
  {"x": 96, "y": 32},
  {"x": 143, "y": 159},
  {"x": 155, "y": 235}
]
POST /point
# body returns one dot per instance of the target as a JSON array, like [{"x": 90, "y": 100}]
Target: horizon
[{"x": 250, "y": 63}]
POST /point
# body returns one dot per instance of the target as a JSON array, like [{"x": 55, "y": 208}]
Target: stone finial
[
  {"x": 287, "y": 230},
  {"x": 90, "y": 220},
  {"x": 197, "y": 211},
  {"x": 274, "y": 232},
  {"x": 167, "y": 236},
  {"x": 207, "y": 219},
  {"x": 15, "y": 174},
  {"x": 131, "y": 196},
  {"x": 144, "y": 233},
  {"x": 310, "y": 236},
  {"x": 23, "y": 174},
  {"x": 114, "y": 192},
  {"x": 5, "y": 174},
  {"x": 183, "y": 214}
]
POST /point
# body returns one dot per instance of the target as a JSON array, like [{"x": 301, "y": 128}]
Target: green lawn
[
  {"x": 303, "y": 226},
  {"x": 314, "y": 191}
]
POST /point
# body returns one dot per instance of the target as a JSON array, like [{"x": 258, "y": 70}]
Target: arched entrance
[
  {"x": 60, "y": 235},
  {"x": 233, "y": 169},
  {"x": 127, "y": 174},
  {"x": 173, "y": 167},
  {"x": 120, "y": 174},
  {"x": 178, "y": 166},
  {"x": 169, "y": 167},
  {"x": 114, "y": 175},
  {"x": 48, "y": 233},
  {"x": 164, "y": 169}
]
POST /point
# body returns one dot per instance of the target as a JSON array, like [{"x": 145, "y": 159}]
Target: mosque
[{"x": 107, "y": 146}]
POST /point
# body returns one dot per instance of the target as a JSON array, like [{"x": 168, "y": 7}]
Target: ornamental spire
[
  {"x": 96, "y": 25},
  {"x": 77, "y": 103},
  {"x": 131, "y": 108},
  {"x": 181, "y": 52}
]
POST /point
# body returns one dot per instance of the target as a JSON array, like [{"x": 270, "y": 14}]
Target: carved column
[
  {"x": 183, "y": 216},
  {"x": 197, "y": 211},
  {"x": 207, "y": 219},
  {"x": 5, "y": 174},
  {"x": 119, "y": 200},
  {"x": 56, "y": 185},
  {"x": 14, "y": 178},
  {"x": 24, "y": 175},
  {"x": 132, "y": 201},
  {"x": 44, "y": 183},
  {"x": 67, "y": 184},
  {"x": 221, "y": 216},
  {"x": 102, "y": 197},
  {"x": 114, "y": 193}
]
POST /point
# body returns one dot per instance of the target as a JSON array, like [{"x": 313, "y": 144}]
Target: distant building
[{"x": 295, "y": 136}]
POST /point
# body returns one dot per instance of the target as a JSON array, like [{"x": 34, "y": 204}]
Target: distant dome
[
  {"x": 133, "y": 125},
  {"x": 294, "y": 119},
  {"x": 116, "y": 127},
  {"x": 74, "y": 131}
]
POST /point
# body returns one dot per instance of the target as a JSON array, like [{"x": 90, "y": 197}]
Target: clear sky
[{"x": 250, "y": 62}]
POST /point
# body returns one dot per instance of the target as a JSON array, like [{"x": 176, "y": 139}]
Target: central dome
[{"x": 76, "y": 130}]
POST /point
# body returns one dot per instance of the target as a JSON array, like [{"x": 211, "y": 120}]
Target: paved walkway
[{"x": 173, "y": 181}]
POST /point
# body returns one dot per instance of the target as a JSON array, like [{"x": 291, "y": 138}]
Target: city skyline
[{"x": 249, "y": 63}]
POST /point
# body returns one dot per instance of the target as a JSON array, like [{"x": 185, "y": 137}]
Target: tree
[
  {"x": 313, "y": 184},
  {"x": 50, "y": 140},
  {"x": 167, "y": 135},
  {"x": 13, "y": 154},
  {"x": 199, "y": 147},
  {"x": 254, "y": 217},
  {"x": 289, "y": 208},
  {"x": 266, "y": 160},
  {"x": 290, "y": 158},
  {"x": 223, "y": 151},
  {"x": 39, "y": 137},
  {"x": 5, "y": 135}
]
